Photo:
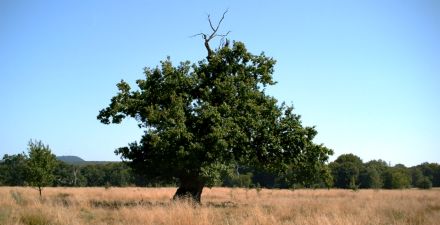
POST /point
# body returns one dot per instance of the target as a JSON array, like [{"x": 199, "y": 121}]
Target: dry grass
[{"x": 129, "y": 206}]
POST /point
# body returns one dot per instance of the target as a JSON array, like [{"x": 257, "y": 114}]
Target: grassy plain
[{"x": 130, "y": 206}]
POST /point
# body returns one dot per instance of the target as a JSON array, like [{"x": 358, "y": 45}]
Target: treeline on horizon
[{"x": 348, "y": 171}]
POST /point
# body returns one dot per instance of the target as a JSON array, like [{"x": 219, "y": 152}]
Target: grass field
[{"x": 220, "y": 206}]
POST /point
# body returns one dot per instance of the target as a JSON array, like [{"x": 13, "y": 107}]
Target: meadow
[{"x": 130, "y": 206}]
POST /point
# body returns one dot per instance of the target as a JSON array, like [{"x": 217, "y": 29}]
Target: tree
[
  {"x": 424, "y": 183},
  {"x": 94, "y": 175},
  {"x": 436, "y": 175},
  {"x": 68, "y": 175},
  {"x": 306, "y": 175},
  {"x": 397, "y": 177},
  {"x": 345, "y": 170},
  {"x": 200, "y": 118},
  {"x": 431, "y": 171},
  {"x": 379, "y": 165},
  {"x": 425, "y": 175},
  {"x": 117, "y": 174},
  {"x": 13, "y": 169},
  {"x": 41, "y": 165},
  {"x": 416, "y": 176}
]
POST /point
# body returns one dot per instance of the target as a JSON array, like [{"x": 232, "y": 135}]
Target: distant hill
[
  {"x": 71, "y": 159},
  {"x": 75, "y": 160}
]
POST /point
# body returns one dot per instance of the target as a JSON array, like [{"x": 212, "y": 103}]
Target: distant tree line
[
  {"x": 14, "y": 171},
  {"x": 347, "y": 171}
]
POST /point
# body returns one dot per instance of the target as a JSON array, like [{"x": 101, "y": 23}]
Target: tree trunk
[
  {"x": 190, "y": 188},
  {"x": 39, "y": 190}
]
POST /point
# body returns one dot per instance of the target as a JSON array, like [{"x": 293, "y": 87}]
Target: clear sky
[{"x": 365, "y": 73}]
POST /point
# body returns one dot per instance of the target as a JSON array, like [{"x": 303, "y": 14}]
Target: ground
[{"x": 77, "y": 206}]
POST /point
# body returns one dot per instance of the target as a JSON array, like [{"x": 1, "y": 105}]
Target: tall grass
[{"x": 128, "y": 206}]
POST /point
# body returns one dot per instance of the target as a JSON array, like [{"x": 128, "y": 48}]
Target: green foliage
[
  {"x": 235, "y": 177},
  {"x": 431, "y": 171},
  {"x": 424, "y": 183},
  {"x": 202, "y": 117},
  {"x": 345, "y": 170},
  {"x": 13, "y": 170},
  {"x": 68, "y": 175},
  {"x": 379, "y": 165},
  {"x": 416, "y": 176},
  {"x": 370, "y": 178},
  {"x": 397, "y": 178},
  {"x": 110, "y": 174},
  {"x": 94, "y": 175},
  {"x": 312, "y": 176},
  {"x": 436, "y": 175},
  {"x": 427, "y": 170},
  {"x": 344, "y": 158},
  {"x": 264, "y": 178},
  {"x": 41, "y": 165},
  {"x": 372, "y": 175},
  {"x": 352, "y": 185},
  {"x": 117, "y": 174}
]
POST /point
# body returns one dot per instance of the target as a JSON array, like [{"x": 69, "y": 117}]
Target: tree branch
[
  {"x": 214, "y": 30},
  {"x": 210, "y": 23},
  {"x": 214, "y": 34}
]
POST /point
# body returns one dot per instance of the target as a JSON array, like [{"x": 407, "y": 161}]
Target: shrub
[{"x": 424, "y": 183}]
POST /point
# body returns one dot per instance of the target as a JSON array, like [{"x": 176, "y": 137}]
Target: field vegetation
[{"x": 21, "y": 205}]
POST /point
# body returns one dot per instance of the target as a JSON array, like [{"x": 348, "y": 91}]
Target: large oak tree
[{"x": 201, "y": 118}]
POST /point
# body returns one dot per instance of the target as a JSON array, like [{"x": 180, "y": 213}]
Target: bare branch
[
  {"x": 199, "y": 34},
  {"x": 214, "y": 30},
  {"x": 210, "y": 24},
  {"x": 223, "y": 35},
  {"x": 221, "y": 20},
  {"x": 214, "y": 34}
]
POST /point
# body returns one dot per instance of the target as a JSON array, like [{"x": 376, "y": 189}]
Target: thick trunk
[{"x": 190, "y": 188}]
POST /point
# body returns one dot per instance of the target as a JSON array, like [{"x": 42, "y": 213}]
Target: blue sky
[{"x": 365, "y": 73}]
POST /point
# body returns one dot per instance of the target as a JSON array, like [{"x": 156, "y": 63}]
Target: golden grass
[{"x": 77, "y": 206}]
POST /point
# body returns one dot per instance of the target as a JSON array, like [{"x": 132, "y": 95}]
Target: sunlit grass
[{"x": 220, "y": 206}]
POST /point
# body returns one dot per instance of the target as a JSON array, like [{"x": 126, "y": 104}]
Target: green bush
[
  {"x": 396, "y": 178},
  {"x": 424, "y": 183}
]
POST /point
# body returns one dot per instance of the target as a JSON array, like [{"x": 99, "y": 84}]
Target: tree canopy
[
  {"x": 201, "y": 118},
  {"x": 346, "y": 170},
  {"x": 13, "y": 169},
  {"x": 41, "y": 165}
]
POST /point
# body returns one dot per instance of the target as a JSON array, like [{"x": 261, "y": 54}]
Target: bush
[
  {"x": 424, "y": 183},
  {"x": 396, "y": 178}
]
